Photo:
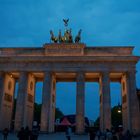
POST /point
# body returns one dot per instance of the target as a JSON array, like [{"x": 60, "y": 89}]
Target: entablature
[{"x": 68, "y": 49}]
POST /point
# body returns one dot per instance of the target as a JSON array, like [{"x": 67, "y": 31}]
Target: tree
[
  {"x": 97, "y": 122},
  {"x": 58, "y": 113},
  {"x": 37, "y": 112},
  {"x": 116, "y": 117}
]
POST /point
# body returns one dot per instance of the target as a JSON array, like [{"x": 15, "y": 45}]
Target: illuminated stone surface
[{"x": 65, "y": 62}]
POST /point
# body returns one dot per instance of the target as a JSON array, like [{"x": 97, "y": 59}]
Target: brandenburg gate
[{"x": 67, "y": 61}]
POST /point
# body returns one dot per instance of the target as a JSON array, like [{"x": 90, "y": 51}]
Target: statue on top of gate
[{"x": 67, "y": 37}]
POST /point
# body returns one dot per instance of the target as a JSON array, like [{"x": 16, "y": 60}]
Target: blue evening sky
[{"x": 25, "y": 23}]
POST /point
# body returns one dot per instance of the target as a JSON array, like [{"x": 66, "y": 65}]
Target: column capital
[
  {"x": 129, "y": 74},
  {"x": 133, "y": 72},
  {"x": 2, "y": 73},
  {"x": 48, "y": 72},
  {"x": 104, "y": 73},
  {"x": 23, "y": 74},
  {"x": 80, "y": 75},
  {"x": 48, "y": 75},
  {"x": 104, "y": 77}
]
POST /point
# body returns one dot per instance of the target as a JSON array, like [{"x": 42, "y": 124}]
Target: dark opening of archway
[
  {"x": 92, "y": 105},
  {"x": 38, "y": 103},
  {"x": 116, "y": 104}
]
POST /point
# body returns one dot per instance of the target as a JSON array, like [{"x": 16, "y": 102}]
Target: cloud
[{"x": 101, "y": 21}]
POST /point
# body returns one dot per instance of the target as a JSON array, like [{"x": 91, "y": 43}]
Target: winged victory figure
[{"x": 66, "y": 22}]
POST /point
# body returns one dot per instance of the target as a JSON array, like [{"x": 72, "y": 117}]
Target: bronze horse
[
  {"x": 78, "y": 37},
  {"x": 53, "y": 38}
]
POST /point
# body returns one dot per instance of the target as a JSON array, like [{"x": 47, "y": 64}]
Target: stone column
[
  {"x": 21, "y": 99},
  {"x": 1, "y": 86},
  {"x": 1, "y": 97},
  {"x": 130, "y": 104},
  {"x": 80, "y": 103},
  {"x": 7, "y": 98},
  {"x": 25, "y": 101},
  {"x": 52, "y": 105},
  {"x": 29, "y": 102},
  {"x": 105, "y": 102},
  {"x": 48, "y": 103},
  {"x": 125, "y": 102}
]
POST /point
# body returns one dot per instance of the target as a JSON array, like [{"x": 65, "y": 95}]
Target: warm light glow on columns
[
  {"x": 21, "y": 97},
  {"x": 25, "y": 101},
  {"x": 80, "y": 103},
  {"x": 2, "y": 75},
  {"x": 105, "y": 101},
  {"x": 130, "y": 104},
  {"x": 51, "y": 127},
  {"x": 1, "y": 87},
  {"x": 48, "y": 103},
  {"x": 134, "y": 103},
  {"x": 7, "y": 86},
  {"x": 29, "y": 113},
  {"x": 125, "y": 102}
]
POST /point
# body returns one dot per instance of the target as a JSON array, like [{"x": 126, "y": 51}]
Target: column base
[
  {"x": 80, "y": 133},
  {"x": 46, "y": 132}
]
